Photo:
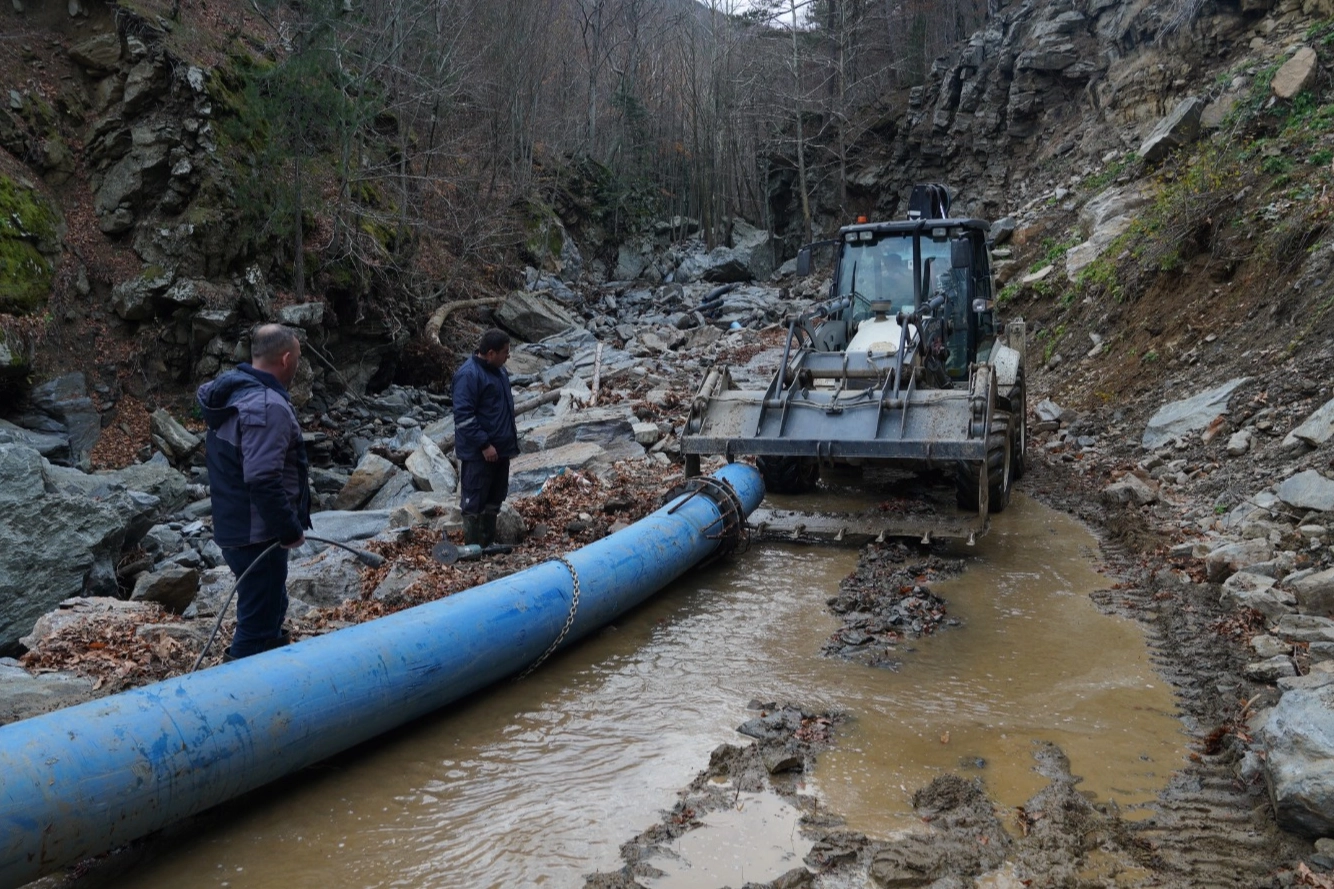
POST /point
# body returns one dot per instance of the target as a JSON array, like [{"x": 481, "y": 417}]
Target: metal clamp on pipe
[{"x": 734, "y": 533}]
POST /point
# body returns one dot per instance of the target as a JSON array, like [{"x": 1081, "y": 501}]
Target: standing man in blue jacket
[
  {"x": 258, "y": 481},
  {"x": 486, "y": 437}
]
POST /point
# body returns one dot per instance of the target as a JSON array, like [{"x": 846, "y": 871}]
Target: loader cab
[{"x": 908, "y": 263}]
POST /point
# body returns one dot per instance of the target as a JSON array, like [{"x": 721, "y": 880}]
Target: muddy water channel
[{"x": 537, "y": 783}]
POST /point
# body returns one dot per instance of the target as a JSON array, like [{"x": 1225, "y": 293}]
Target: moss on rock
[{"x": 29, "y": 235}]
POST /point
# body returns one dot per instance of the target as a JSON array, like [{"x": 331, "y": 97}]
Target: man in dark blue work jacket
[
  {"x": 258, "y": 482},
  {"x": 486, "y": 437}
]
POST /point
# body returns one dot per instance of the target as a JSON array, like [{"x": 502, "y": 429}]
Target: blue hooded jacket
[
  {"x": 483, "y": 411},
  {"x": 258, "y": 473}
]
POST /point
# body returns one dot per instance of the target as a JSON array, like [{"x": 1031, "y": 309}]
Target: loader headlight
[{"x": 982, "y": 305}]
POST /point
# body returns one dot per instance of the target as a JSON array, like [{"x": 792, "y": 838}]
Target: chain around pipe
[{"x": 569, "y": 621}]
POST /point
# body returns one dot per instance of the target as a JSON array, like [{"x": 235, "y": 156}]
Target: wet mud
[
  {"x": 1211, "y": 826},
  {"x": 887, "y": 602}
]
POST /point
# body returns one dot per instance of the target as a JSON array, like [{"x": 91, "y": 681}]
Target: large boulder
[
  {"x": 1307, "y": 490},
  {"x": 367, "y": 479},
  {"x": 533, "y": 317},
  {"x": 1299, "y": 742},
  {"x": 155, "y": 477},
  {"x": 1246, "y": 589},
  {"x": 23, "y": 695},
  {"x": 1113, "y": 202},
  {"x": 1297, "y": 74},
  {"x": 53, "y": 545},
  {"x": 601, "y": 426},
  {"x": 1179, "y": 128},
  {"x": 721, "y": 265},
  {"x": 54, "y": 446},
  {"x": 1081, "y": 256},
  {"x": 99, "y": 53},
  {"x": 1316, "y": 429},
  {"x": 1315, "y": 593},
  {"x": 1188, "y": 415},
  {"x": 1228, "y": 559},
  {"x": 431, "y": 469},
  {"x": 65, "y": 400},
  {"x": 332, "y": 578},
  {"x": 754, "y": 247},
  {"x": 528, "y": 472},
  {"x": 171, "y": 437},
  {"x": 173, "y": 588}
]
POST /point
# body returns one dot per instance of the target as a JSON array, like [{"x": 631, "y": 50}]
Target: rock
[
  {"x": 601, "y": 426},
  {"x": 1271, "y": 670},
  {"x": 1081, "y": 256},
  {"x": 100, "y": 53},
  {"x": 1299, "y": 741},
  {"x": 1246, "y": 589},
  {"x": 1130, "y": 489},
  {"x": 1307, "y": 490},
  {"x": 511, "y": 529},
  {"x": 331, "y": 579},
  {"x": 1039, "y": 275},
  {"x": 397, "y": 490},
  {"x": 157, "y": 479},
  {"x": 1230, "y": 558},
  {"x": 53, "y": 545},
  {"x": 778, "y": 761},
  {"x": 720, "y": 265},
  {"x": 1048, "y": 411},
  {"x": 1189, "y": 415},
  {"x": 171, "y": 437},
  {"x": 1305, "y": 628},
  {"x": 646, "y": 434},
  {"x": 135, "y": 299},
  {"x": 431, "y": 469},
  {"x": 528, "y": 472},
  {"x": 1316, "y": 429},
  {"x": 754, "y": 248},
  {"x": 1111, "y": 204},
  {"x": 81, "y": 609},
  {"x": 1269, "y": 646},
  {"x": 1310, "y": 681},
  {"x": 1239, "y": 443},
  {"x": 396, "y": 584},
  {"x": 307, "y": 316},
  {"x": 1179, "y": 128},
  {"x": 533, "y": 317},
  {"x": 23, "y": 695},
  {"x": 1297, "y": 74},
  {"x": 1315, "y": 593},
  {"x": 366, "y": 480},
  {"x": 66, "y": 400},
  {"x": 172, "y": 588},
  {"x": 632, "y": 257},
  {"x": 345, "y": 527},
  {"x": 51, "y": 445}
]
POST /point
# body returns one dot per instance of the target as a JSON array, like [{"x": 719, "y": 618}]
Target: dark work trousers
[
  {"x": 261, "y": 598},
  {"x": 483, "y": 486}
]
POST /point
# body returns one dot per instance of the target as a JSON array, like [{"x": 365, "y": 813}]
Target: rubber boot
[
  {"x": 472, "y": 529},
  {"x": 488, "y": 529}
]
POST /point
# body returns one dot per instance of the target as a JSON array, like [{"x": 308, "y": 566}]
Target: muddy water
[{"x": 539, "y": 782}]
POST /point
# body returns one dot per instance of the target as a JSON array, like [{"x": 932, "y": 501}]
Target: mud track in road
[{"x": 1211, "y": 827}]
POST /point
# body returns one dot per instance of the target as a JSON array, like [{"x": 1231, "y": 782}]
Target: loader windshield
[{"x": 879, "y": 266}]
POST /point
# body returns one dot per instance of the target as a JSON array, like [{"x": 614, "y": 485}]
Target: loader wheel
[
  {"x": 1000, "y": 471},
  {"x": 1019, "y": 430},
  {"x": 788, "y": 475}
]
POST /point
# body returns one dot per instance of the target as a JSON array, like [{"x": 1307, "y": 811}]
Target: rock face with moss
[{"x": 30, "y": 232}]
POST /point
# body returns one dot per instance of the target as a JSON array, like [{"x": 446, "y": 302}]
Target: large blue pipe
[{"x": 90, "y": 778}]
